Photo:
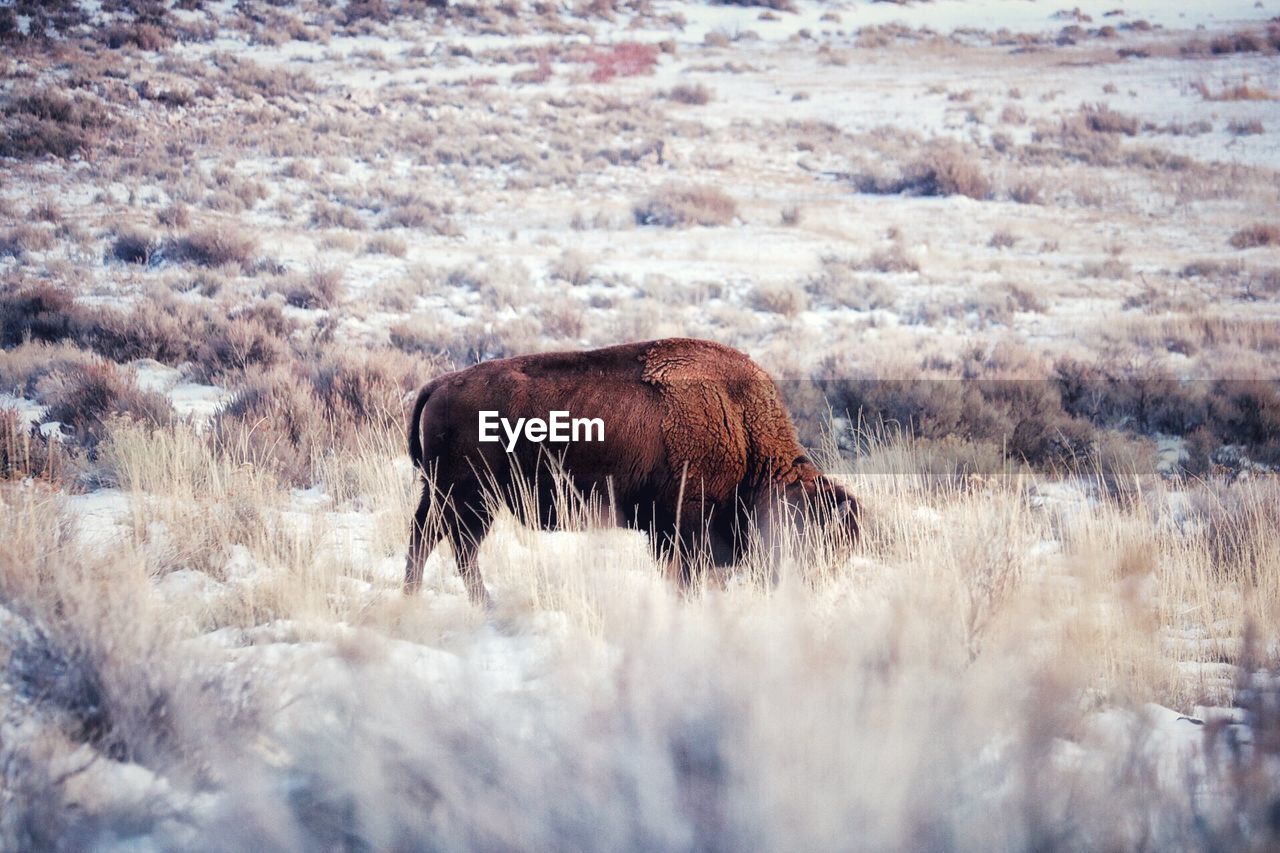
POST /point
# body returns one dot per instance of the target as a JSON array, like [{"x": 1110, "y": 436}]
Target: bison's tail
[{"x": 415, "y": 426}]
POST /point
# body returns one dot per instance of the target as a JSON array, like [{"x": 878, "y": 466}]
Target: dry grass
[
  {"x": 320, "y": 287},
  {"x": 1242, "y": 91},
  {"x": 675, "y": 206},
  {"x": 215, "y": 247},
  {"x": 85, "y": 398},
  {"x": 693, "y": 94},
  {"x": 784, "y": 298},
  {"x": 1261, "y": 234},
  {"x": 949, "y": 642},
  {"x": 944, "y": 168},
  {"x": 624, "y": 59},
  {"x": 18, "y": 240},
  {"x": 40, "y": 122}
]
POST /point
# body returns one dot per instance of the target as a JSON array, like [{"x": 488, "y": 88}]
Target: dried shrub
[
  {"x": 1250, "y": 127},
  {"x": 563, "y": 319},
  {"x": 1024, "y": 418},
  {"x": 1002, "y": 239},
  {"x": 250, "y": 338},
  {"x": 274, "y": 421},
  {"x": 23, "y": 366},
  {"x": 319, "y": 288},
  {"x": 1254, "y": 236},
  {"x": 693, "y": 94},
  {"x": 779, "y": 5},
  {"x": 135, "y": 246},
  {"x": 175, "y": 215},
  {"x": 46, "y": 20},
  {"x": 164, "y": 332},
  {"x": 785, "y": 298},
  {"x": 624, "y": 59},
  {"x": 1112, "y": 269},
  {"x": 214, "y": 247},
  {"x": 24, "y": 452},
  {"x": 288, "y": 417},
  {"x": 894, "y": 259},
  {"x": 1027, "y": 192},
  {"x": 46, "y": 210},
  {"x": 143, "y": 36},
  {"x": 386, "y": 244},
  {"x": 944, "y": 168},
  {"x": 676, "y": 206},
  {"x": 37, "y": 312},
  {"x": 43, "y": 122},
  {"x": 947, "y": 169},
  {"x": 83, "y": 399},
  {"x": 1238, "y": 413},
  {"x": 1242, "y": 91},
  {"x": 330, "y": 215},
  {"x": 1239, "y": 42},
  {"x": 454, "y": 345},
  {"x": 841, "y": 283},
  {"x": 572, "y": 266},
  {"x": 247, "y": 79},
  {"x": 419, "y": 215},
  {"x": 361, "y": 11},
  {"x": 17, "y": 240},
  {"x": 166, "y": 329},
  {"x": 540, "y": 73},
  {"x": 1100, "y": 118}
]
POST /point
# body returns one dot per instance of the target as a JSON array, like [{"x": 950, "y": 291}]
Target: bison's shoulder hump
[{"x": 681, "y": 360}]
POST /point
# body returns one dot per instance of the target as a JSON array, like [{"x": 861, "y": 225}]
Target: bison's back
[
  {"x": 680, "y": 416},
  {"x": 604, "y": 384}
]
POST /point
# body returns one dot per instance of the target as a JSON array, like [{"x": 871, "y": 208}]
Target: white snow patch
[
  {"x": 29, "y": 411},
  {"x": 189, "y": 399},
  {"x": 102, "y": 516}
]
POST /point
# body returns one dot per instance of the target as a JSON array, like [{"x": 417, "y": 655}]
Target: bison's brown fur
[{"x": 698, "y": 448}]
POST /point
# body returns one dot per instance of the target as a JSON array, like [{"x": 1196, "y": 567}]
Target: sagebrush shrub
[
  {"x": 86, "y": 397},
  {"x": 215, "y": 247},
  {"x": 625, "y": 59},
  {"x": 1259, "y": 234},
  {"x": 41, "y": 122},
  {"x": 37, "y": 312},
  {"x": 674, "y": 206}
]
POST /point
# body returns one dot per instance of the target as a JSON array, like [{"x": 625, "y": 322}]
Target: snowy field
[{"x": 1015, "y": 263}]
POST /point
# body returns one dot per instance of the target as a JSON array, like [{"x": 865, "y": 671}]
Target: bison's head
[
  {"x": 829, "y": 505},
  {"x": 810, "y": 512}
]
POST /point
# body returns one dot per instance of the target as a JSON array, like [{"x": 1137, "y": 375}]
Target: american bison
[{"x": 697, "y": 450}]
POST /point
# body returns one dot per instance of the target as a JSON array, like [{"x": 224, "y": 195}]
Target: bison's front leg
[
  {"x": 687, "y": 554},
  {"x": 465, "y": 545}
]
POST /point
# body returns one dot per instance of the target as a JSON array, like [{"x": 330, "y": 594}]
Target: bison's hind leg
[
  {"x": 465, "y": 528},
  {"x": 424, "y": 535}
]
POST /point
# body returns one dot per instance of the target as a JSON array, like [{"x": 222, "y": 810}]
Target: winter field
[{"x": 1016, "y": 266}]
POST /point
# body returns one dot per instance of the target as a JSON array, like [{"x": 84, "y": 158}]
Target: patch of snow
[
  {"x": 29, "y": 411},
  {"x": 190, "y": 400},
  {"x": 102, "y": 516}
]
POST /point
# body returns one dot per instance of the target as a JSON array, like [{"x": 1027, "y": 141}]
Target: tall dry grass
[{"x": 237, "y": 665}]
